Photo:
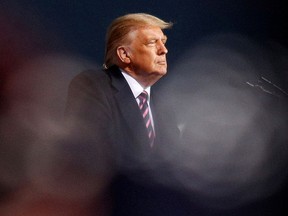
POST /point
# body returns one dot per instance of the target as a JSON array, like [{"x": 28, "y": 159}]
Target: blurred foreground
[{"x": 230, "y": 97}]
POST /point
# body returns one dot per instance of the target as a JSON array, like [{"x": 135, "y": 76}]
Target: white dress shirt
[{"x": 137, "y": 89}]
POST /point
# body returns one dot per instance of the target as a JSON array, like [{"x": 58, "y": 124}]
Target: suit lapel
[{"x": 129, "y": 108}]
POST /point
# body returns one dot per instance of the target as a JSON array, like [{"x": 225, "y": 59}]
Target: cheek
[{"x": 148, "y": 59}]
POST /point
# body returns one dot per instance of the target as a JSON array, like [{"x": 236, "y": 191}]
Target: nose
[{"x": 161, "y": 48}]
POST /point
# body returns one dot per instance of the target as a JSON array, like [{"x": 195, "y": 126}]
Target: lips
[{"x": 161, "y": 62}]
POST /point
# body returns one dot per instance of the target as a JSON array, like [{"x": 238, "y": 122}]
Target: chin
[
  {"x": 163, "y": 72},
  {"x": 159, "y": 73}
]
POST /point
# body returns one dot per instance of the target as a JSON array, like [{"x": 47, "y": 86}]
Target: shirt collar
[{"x": 134, "y": 85}]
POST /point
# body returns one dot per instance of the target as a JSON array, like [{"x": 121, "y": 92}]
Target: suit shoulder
[
  {"x": 90, "y": 76},
  {"x": 91, "y": 79}
]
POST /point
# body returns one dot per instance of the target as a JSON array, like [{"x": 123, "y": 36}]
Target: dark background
[
  {"x": 79, "y": 26},
  {"x": 76, "y": 29}
]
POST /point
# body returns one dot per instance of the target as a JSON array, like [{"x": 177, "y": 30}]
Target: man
[{"x": 108, "y": 110}]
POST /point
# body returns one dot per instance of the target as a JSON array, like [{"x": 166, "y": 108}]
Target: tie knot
[{"x": 143, "y": 97}]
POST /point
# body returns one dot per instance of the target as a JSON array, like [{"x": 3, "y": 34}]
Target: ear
[{"x": 123, "y": 54}]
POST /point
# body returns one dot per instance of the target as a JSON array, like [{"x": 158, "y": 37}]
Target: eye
[{"x": 151, "y": 42}]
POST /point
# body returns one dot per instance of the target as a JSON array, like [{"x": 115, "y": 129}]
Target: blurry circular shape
[
  {"x": 68, "y": 168},
  {"x": 233, "y": 124}
]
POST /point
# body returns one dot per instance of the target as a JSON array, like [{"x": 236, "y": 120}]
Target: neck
[{"x": 144, "y": 81}]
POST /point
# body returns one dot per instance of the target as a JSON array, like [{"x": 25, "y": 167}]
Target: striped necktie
[{"x": 144, "y": 108}]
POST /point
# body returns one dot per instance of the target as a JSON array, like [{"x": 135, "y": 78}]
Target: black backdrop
[
  {"x": 31, "y": 28},
  {"x": 79, "y": 26}
]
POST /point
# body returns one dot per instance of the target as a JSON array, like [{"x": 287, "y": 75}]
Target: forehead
[{"x": 146, "y": 33}]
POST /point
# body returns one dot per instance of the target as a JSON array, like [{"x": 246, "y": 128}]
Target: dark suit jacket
[{"x": 106, "y": 116}]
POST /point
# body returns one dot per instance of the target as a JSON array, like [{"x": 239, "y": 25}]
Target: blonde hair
[{"x": 118, "y": 30}]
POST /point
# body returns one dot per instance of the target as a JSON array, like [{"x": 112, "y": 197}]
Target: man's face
[{"x": 147, "y": 52}]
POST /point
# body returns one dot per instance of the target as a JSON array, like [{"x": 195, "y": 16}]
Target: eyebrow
[
  {"x": 165, "y": 38},
  {"x": 156, "y": 38}
]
